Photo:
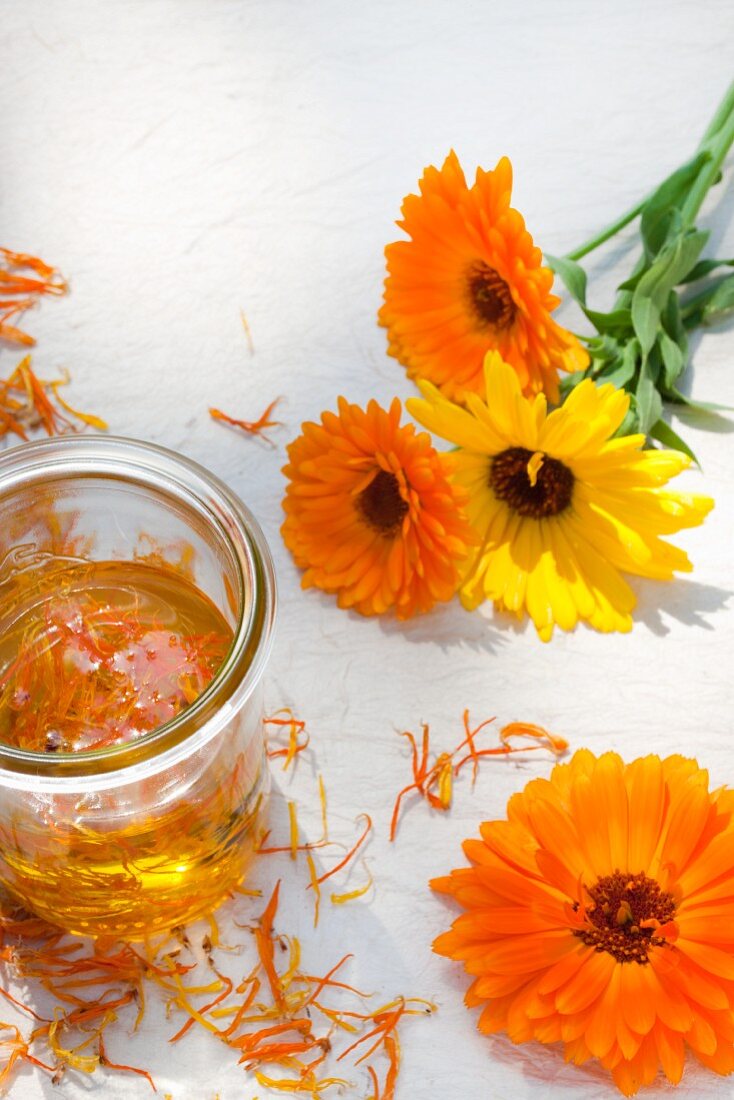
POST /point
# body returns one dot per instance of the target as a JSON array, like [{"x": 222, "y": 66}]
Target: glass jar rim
[{"x": 192, "y": 486}]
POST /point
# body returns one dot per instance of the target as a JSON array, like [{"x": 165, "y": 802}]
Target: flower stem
[
  {"x": 717, "y": 140},
  {"x": 606, "y": 234},
  {"x": 718, "y": 144},
  {"x": 722, "y": 113}
]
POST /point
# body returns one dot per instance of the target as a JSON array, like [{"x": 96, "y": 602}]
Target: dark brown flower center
[
  {"x": 382, "y": 505},
  {"x": 624, "y": 916},
  {"x": 490, "y": 296},
  {"x": 531, "y": 483}
]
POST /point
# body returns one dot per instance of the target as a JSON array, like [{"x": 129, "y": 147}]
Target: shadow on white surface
[
  {"x": 450, "y": 626},
  {"x": 447, "y": 626},
  {"x": 701, "y": 420},
  {"x": 714, "y": 421},
  {"x": 688, "y": 602},
  {"x": 545, "y": 1066}
]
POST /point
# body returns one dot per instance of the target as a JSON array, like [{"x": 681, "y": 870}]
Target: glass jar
[{"x": 141, "y": 836}]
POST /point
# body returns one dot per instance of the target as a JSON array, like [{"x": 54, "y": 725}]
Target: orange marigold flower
[
  {"x": 600, "y": 914},
  {"x": 371, "y": 514},
  {"x": 470, "y": 280}
]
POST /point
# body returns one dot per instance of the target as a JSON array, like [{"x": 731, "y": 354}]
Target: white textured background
[{"x": 182, "y": 159}]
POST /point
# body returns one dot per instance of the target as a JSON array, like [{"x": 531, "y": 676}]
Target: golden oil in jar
[{"x": 95, "y": 655}]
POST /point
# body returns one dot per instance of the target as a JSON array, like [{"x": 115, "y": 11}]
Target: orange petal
[
  {"x": 513, "y": 885},
  {"x": 496, "y": 985},
  {"x": 687, "y": 820},
  {"x": 511, "y": 844},
  {"x": 591, "y": 825},
  {"x": 556, "y": 872},
  {"x": 641, "y": 1070},
  {"x": 701, "y": 1037},
  {"x": 671, "y": 1052},
  {"x": 695, "y": 983},
  {"x": 705, "y": 925},
  {"x": 523, "y": 954},
  {"x": 638, "y": 997},
  {"x": 671, "y": 1003},
  {"x": 647, "y": 803},
  {"x": 628, "y": 1041},
  {"x": 721, "y": 1061},
  {"x": 577, "y": 1052},
  {"x": 708, "y": 958},
  {"x": 600, "y": 1033},
  {"x": 494, "y": 1016},
  {"x": 715, "y": 862},
  {"x": 485, "y": 924},
  {"x": 611, "y": 801},
  {"x": 587, "y": 984},
  {"x": 554, "y": 829},
  {"x": 563, "y": 970}
]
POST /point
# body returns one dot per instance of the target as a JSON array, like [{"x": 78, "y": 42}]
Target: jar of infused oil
[{"x": 137, "y": 599}]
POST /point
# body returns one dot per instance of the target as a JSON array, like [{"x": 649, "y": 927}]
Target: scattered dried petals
[
  {"x": 352, "y": 851},
  {"x": 352, "y": 895},
  {"x": 252, "y": 427},
  {"x": 25, "y": 404},
  {"x": 433, "y": 781},
  {"x": 285, "y": 718},
  {"x": 20, "y": 292}
]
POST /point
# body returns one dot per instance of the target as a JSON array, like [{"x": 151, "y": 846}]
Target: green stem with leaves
[
  {"x": 716, "y": 141},
  {"x": 642, "y": 345},
  {"x": 718, "y": 145}
]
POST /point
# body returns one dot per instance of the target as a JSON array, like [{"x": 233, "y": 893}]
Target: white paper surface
[{"x": 181, "y": 161}]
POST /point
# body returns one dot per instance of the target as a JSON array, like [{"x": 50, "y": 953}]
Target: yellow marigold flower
[
  {"x": 470, "y": 280},
  {"x": 371, "y": 513},
  {"x": 558, "y": 504},
  {"x": 600, "y": 915}
]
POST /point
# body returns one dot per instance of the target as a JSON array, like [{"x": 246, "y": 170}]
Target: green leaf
[
  {"x": 646, "y": 320},
  {"x": 572, "y": 275},
  {"x": 704, "y": 268},
  {"x": 673, "y": 358},
  {"x": 649, "y": 402},
  {"x": 665, "y": 272},
  {"x": 713, "y": 303},
  {"x": 603, "y": 355},
  {"x": 619, "y": 374},
  {"x": 675, "y": 260},
  {"x": 616, "y": 322},
  {"x": 658, "y": 215},
  {"x": 605, "y": 348},
  {"x": 622, "y": 368},
  {"x": 631, "y": 283},
  {"x": 721, "y": 302},
  {"x": 672, "y": 319},
  {"x": 692, "y": 316},
  {"x": 670, "y": 438}
]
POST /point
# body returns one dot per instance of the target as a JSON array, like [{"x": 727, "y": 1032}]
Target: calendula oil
[
  {"x": 133, "y": 773},
  {"x": 94, "y": 654}
]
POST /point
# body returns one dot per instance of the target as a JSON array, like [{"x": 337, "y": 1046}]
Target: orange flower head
[
  {"x": 371, "y": 513},
  {"x": 470, "y": 280},
  {"x": 600, "y": 915}
]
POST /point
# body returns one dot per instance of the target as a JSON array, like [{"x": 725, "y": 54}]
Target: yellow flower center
[
  {"x": 625, "y": 915},
  {"x": 490, "y": 296},
  {"x": 530, "y": 483},
  {"x": 382, "y": 505}
]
